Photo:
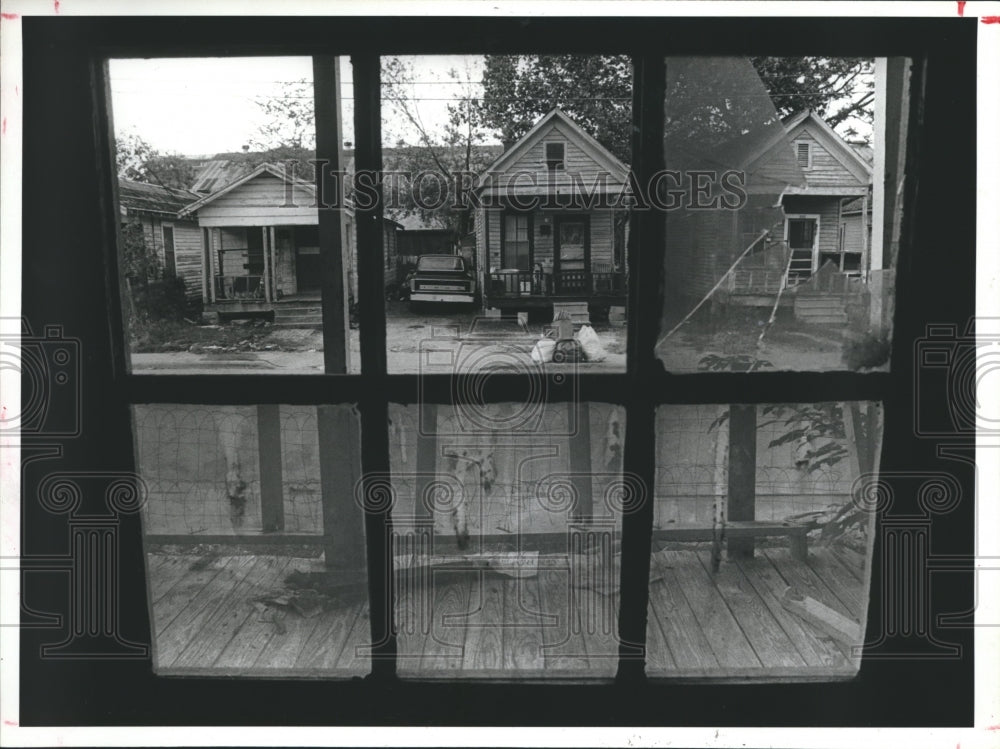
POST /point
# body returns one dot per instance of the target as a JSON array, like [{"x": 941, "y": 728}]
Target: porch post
[
  {"x": 866, "y": 246},
  {"x": 214, "y": 245},
  {"x": 272, "y": 233},
  {"x": 742, "y": 473},
  {"x": 206, "y": 265},
  {"x": 266, "y": 251}
]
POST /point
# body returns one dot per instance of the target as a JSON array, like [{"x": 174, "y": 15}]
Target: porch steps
[
  {"x": 304, "y": 315},
  {"x": 823, "y": 309},
  {"x": 576, "y": 311}
]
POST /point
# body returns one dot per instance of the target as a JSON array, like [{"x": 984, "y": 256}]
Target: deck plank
[
  {"x": 658, "y": 656},
  {"x": 522, "y": 635},
  {"x": 484, "y": 640},
  {"x": 563, "y": 646},
  {"x": 839, "y": 580},
  {"x": 728, "y": 643},
  {"x": 769, "y": 641},
  {"x": 355, "y": 657},
  {"x": 767, "y": 581},
  {"x": 445, "y": 643},
  {"x": 682, "y": 631},
  {"x": 252, "y": 636},
  {"x": 187, "y": 607},
  {"x": 322, "y": 650},
  {"x": 804, "y": 578},
  {"x": 231, "y": 613}
]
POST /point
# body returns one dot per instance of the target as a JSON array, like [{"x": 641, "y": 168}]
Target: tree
[
  {"x": 427, "y": 173},
  {"x": 597, "y": 92},
  {"x": 138, "y": 161}
]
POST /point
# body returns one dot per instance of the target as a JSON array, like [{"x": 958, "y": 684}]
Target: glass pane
[
  {"x": 484, "y": 156},
  {"x": 506, "y": 534},
  {"x": 781, "y": 229},
  {"x": 219, "y": 248},
  {"x": 762, "y": 539},
  {"x": 254, "y": 543}
]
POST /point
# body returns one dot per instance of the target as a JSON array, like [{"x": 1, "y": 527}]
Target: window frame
[
  {"x": 555, "y": 165},
  {"x": 649, "y": 384},
  {"x": 809, "y": 154}
]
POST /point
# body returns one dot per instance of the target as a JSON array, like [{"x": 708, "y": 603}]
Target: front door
[
  {"x": 802, "y": 233},
  {"x": 572, "y": 255},
  {"x": 307, "y": 265}
]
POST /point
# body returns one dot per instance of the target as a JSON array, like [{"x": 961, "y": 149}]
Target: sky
[{"x": 200, "y": 107}]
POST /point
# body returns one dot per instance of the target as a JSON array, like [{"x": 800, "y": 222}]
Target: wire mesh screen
[
  {"x": 503, "y": 469},
  {"x": 202, "y": 468},
  {"x": 792, "y": 476}
]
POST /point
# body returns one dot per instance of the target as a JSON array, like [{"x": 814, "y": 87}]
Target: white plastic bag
[
  {"x": 591, "y": 344},
  {"x": 543, "y": 350}
]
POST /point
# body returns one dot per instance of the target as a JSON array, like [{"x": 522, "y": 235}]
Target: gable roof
[
  {"x": 142, "y": 197},
  {"x": 584, "y": 140},
  {"x": 270, "y": 169},
  {"x": 835, "y": 145}
]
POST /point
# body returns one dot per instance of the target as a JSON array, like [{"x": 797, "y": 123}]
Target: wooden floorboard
[
  {"x": 195, "y": 606},
  {"x": 805, "y": 579},
  {"x": 483, "y": 649},
  {"x": 522, "y": 633},
  {"x": 563, "y": 646},
  {"x": 255, "y": 630},
  {"x": 444, "y": 645},
  {"x": 683, "y": 633},
  {"x": 728, "y": 625},
  {"x": 816, "y": 649},
  {"x": 769, "y": 641},
  {"x": 728, "y": 643},
  {"x": 230, "y": 614}
]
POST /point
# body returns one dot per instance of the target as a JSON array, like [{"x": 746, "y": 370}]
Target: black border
[{"x": 67, "y": 222}]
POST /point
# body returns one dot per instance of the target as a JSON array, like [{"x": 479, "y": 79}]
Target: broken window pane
[
  {"x": 781, "y": 229},
  {"x": 219, "y": 248},
  {"x": 506, "y": 524},
  {"x": 254, "y": 541},
  {"x": 762, "y": 539},
  {"x": 516, "y": 165}
]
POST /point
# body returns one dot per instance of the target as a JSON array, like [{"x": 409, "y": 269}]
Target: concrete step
[
  {"x": 296, "y": 326},
  {"x": 576, "y": 311},
  {"x": 298, "y": 320},
  {"x": 840, "y": 319}
]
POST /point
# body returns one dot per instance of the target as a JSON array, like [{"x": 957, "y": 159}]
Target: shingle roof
[{"x": 141, "y": 197}]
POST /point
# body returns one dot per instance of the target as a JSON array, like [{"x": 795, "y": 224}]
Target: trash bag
[
  {"x": 543, "y": 350},
  {"x": 591, "y": 344}
]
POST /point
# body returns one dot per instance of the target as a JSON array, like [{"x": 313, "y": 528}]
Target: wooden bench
[{"x": 796, "y": 532}]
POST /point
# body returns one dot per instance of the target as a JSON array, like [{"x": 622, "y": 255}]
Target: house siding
[
  {"x": 825, "y": 170},
  {"x": 263, "y": 201},
  {"x": 187, "y": 248},
  {"x": 828, "y": 209}
]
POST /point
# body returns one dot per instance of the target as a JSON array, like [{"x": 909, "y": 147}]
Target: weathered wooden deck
[{"x": 481, "y": 624}]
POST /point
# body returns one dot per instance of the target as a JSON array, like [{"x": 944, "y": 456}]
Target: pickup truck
[{"x": 441, "y": 278}]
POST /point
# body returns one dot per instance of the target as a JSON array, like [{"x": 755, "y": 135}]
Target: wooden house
[
  {"x": 176, "y": 241},
  {"x": 806, "y": 210},
  {"x": 545, "y": 221},
  {"x": 260, "y": 247}
]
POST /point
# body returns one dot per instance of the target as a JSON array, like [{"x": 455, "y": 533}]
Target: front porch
[{"x": 539, "y": 288}]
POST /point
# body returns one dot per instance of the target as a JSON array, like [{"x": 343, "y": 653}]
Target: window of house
[
  {"x": 517, "y": 241},
  {"x": 555, "y": 156}
]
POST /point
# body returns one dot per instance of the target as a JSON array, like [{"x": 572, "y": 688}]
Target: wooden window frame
[
  {"x": 551, "y": 164},
  {"x": 640, "y": 389},
  {"x": 809, "y": 154}
]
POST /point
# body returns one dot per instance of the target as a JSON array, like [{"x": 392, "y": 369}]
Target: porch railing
[
  {"x": 561, "y": 284},
  {"x": 239, "y": 287}
]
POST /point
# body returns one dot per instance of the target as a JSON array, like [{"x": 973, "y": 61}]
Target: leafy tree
[
  {"x": 138, "y": 161},
  {"x": 597, "y": 92}
]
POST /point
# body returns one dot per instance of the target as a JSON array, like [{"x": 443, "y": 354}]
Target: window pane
[
  {"x": 506, "y": 535},
  {"x": 222, "y": 150},
  {"x": 485, "y": 156},
  {"x": 781, "y": 230},
  {"x": 254, "y": 542},
  {"x": 762, "y": 539}
]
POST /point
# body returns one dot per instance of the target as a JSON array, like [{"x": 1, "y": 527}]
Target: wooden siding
[
  {"x": 580, "y": 167},
  {"x": 825, "y": 170},
  {"x": 854, "y": 237},
  {"x": 187, "y": 248},
  {"x": 263, "y": 201}
]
